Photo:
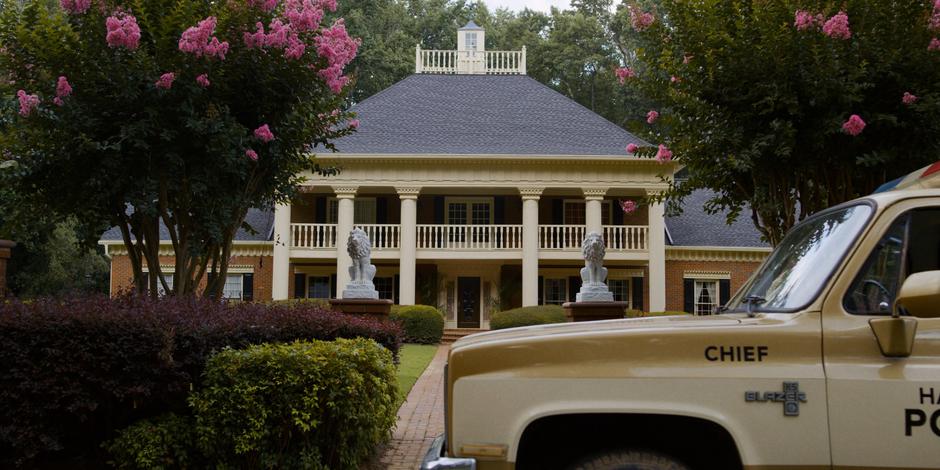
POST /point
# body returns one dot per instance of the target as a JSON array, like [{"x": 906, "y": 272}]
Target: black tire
[{"x": 627, "y": 459}]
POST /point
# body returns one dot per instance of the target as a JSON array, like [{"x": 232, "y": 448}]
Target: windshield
[{"x": 796, "y": 271}]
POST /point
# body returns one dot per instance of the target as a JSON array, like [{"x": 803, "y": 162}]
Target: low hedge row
[
  {"x": 422, "y": 324},
  {"x": 527, "y": 316},
  {"x": 300, "y": 405},
  {"x": 73, "y": 371}
]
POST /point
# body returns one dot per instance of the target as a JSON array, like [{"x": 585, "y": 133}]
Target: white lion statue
[
  {"x": 593, "y": 274},
  {"x": 362, "y": 270}
]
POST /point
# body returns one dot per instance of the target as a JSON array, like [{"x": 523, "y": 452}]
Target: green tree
[
  {"x": 756, "y": 108},
  {"x": 177, "y": 116},
  {"x": 56, "y": 264}
]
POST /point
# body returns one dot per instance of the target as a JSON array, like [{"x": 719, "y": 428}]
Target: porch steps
[{"x": 453, "y": 334}]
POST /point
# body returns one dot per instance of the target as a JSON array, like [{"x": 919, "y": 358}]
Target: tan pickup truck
[{"x": 828, "y": 357}]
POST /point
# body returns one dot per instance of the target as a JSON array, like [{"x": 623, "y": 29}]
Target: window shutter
[
  {"x": 558, "y": 211},
  {"x": 248, "y": 281},
  {"x": 688, "y": 288},
  {"x": 396, "y": 294},
  {"x": 333, "y": 286},
  {"x": 321, "y": 210},
  {"x": 574, "y": 286},
  {"x": 499, "y": 210},
  {"x": 724, "y": 291},
  {"x": 381, "y": 210},
  {"x": 300, "y": 285},
  {"x": 636, "y": 291},
  {"x": 438, "y": 210},
  {"x": 541, "y": 290}
]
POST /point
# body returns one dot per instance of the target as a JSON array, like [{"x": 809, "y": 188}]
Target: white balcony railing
[
  {"x": 383, "y": 236},
  {"x": 626, "y": 237},
  {"x": 470, "y": 62},
  {"x": 313, "y": 236},
  {"x": 469, "y": 237},
  {"x": 561, "y": 237}
]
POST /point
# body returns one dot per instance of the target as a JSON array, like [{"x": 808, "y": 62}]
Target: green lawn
[{"x": 413, "y": 359}]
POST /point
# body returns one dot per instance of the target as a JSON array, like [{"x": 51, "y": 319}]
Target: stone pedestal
[
  {"x": 590, "y": 311},
  {"x": 6, "y": 250},
  {"x": 376, "y": 307}
]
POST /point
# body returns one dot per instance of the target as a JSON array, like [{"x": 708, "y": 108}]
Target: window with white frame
[
  {"x": 385, "y": 286},
  {"x": 471, "y": 41},
  {"x": 169, "y": 283},
  {"x": 318, "y": 287},
  {"x": 364, "y": 210},
  {"x": 576, "y": 212},
  {"x": 706, "y": 296},
  {"x": 620, "y": 288},
  {"x": 555, "y": 291},
  {"x": 234, "y": 287}
]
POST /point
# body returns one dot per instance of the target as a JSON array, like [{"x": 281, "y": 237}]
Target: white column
[
  {"x": 592, "y": 210},
  {"x": 657, "y": 263},
  {"x": 280, "y": 270},
  {"x": 408, "y": 244},
  {"x": 530, "y": 245},
  {"x": 344, "y": 225}
]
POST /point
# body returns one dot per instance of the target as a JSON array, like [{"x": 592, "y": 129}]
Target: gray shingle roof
[
  {"x": 694, "y": 227},
  {"x": 261, "y": 220},
  {"x": 480, "y": 114}
]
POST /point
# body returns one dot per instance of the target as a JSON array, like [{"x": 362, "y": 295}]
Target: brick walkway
[{"x": 420, "y": 418}]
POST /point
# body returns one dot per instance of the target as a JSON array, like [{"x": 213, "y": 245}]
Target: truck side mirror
[{"x": 919, "y": 297}]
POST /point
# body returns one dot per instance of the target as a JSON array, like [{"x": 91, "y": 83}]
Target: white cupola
[{"x": 471, "y": 57}]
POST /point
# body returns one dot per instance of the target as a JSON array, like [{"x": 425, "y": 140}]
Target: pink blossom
[
  {"x": 58, "y": 101},
  {"x": 628, "y": 206},
  {"x": 334, "y": 78},
  {"x": 934, "y": 45},
  {"x": 934, "y": 23},
  {"x": 804, "y": 20},
  {"x": 652, "y": 116},
  {"x": 675, "y": 79},
  {"x": 838, "y": 26},
  {"x": 252, "y": 155},
  {"x": 295, "y": 47},
  {"x": 27, "y": 102},
  {"x": 303, "y": 15},
  {"x": 122, "y": 31},
  {"x": 354, "y": 124},
  {"x": 687, "y": 58},
  {"x": 256, "y": 39},
  {"x": 266, "y": 5},
  {"x": 63, "y": 88},
  {"x": 335, "y": 45},
  {"x": 908, "y": 98},
  {"x": 264, "y": 133},
  {"x": 639, "y": 19},
  {"x": 75, "y": 7},
  {"x": 166, "y": 80},
  {"x": 663, "y": 155},
  {"x": 203, "y": 80},
  {"x": 623, "y": 73},
  {"x": 632, "y": 148},
  {"x": 198, "y": 40},
  {"x": 854, "y": 125}
]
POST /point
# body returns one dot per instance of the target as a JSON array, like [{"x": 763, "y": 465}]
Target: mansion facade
[{"x": 476, "y": 185}]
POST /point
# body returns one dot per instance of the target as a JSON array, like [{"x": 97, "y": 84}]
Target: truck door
[{"x": 884, "y": 412}]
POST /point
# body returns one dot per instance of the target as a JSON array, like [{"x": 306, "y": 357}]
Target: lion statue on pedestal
[
  {"x": 360, "y": 250},
  {"x": 593, "y": 249}
]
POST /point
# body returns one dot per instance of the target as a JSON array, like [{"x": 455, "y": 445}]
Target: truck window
[
  {"x": 800, "y": 266},
  {"x": 910, "y": 245}
]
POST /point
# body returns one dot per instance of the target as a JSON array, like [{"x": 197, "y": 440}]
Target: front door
[
  {"x": 884, "y": 412},
  {"x": 468, "y": 302}
]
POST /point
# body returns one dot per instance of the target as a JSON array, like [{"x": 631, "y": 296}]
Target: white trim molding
[
  {"x": 239, "y": 248},
  {"x": 706, "y": 275},
  {"x": 717, "y": 253}
]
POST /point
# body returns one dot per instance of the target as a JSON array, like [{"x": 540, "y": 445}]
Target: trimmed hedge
[
  {"x": 301, "y": 405},
  {"x": 642, "y": 314},
  {"x": 527, "y": 316},
  {"x": 73, "y": 371},
  {"x": 318, "y": 303},
  {"x": 422, "y": 324}
]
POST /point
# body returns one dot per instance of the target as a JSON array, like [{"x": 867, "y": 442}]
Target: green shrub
[
  {"x": 299, "y": 405},
  {"x": 525, "y": 316},
  {"x": 422, "y": 324},
  {"x": 315, "y": 303},
  {"x": 165, "y": 442},
  {"x": 640, "y": 313}
]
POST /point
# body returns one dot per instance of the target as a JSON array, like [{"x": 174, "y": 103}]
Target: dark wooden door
[{"x": 468, "y": 302}]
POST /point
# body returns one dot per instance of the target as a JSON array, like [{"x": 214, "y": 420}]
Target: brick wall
[
  {"x": 740, "y": 271},
  {"x": 122, "y": 276}
]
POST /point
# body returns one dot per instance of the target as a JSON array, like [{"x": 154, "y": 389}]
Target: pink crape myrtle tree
[
  {"x": 787, "y": 107},
  {"x": 169, "y": 116}
]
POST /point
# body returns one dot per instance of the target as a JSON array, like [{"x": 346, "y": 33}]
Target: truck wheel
[{"x": 629, "y": 460}]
